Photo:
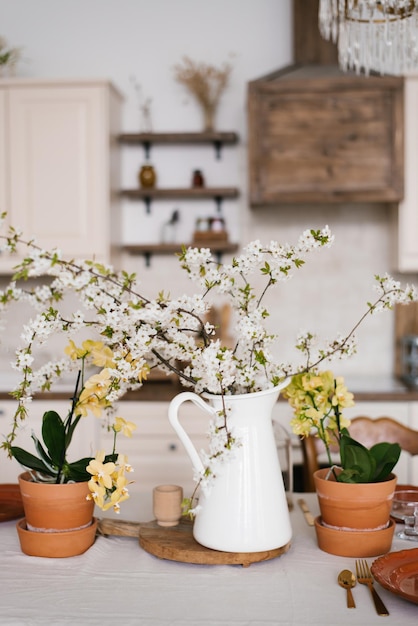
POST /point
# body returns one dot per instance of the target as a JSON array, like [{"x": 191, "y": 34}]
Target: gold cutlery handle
[
  {"x": 378, "y": 603},
  {"x": 306, "y": 512},
  {"x": 350, "y": 600}
]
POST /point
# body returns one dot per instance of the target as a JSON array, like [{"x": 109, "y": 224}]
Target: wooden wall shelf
[
  {"x": 217, "y": 193},
  {"x": 148, "y": 249},
  {"x": 218, "y": 139},
  {"x": 179, "y": 192}
]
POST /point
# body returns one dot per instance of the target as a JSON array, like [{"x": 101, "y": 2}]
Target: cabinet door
[
  {"x": 316, "y": 135},
  {"x": 59, "y": 186},
  {"x": 154, "y": 450}
]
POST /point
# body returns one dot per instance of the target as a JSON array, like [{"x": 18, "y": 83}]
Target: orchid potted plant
[
  {"x": 318, "y": 400},
  {"x": 143, "y": 333},
  {"x": 105, "y": 473}
]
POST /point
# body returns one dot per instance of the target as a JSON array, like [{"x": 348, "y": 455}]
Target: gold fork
[{"x": 364, "y": 577}]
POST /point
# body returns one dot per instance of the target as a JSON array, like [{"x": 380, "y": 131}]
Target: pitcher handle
[{"x": 173, "y": 410}]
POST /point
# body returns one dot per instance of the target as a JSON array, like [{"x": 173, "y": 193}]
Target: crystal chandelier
[{"x": 377, "y": 35}]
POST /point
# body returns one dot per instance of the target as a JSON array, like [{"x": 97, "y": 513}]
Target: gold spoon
[{"x": 347, "y": 580}]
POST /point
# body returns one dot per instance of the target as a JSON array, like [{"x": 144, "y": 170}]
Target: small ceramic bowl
[
  {"x": 56, "y": 544},
  {"x": 354, "y": 543}
]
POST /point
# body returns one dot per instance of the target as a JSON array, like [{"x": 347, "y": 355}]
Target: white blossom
[{"x": 174, "y": 333}]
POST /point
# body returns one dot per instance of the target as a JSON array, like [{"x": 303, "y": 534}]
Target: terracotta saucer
[
  {"x": 56, "y": 544},
  {"x": 354, "y": 543}
]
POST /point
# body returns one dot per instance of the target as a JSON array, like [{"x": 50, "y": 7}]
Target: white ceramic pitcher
[{"x": 245, "y": 508}]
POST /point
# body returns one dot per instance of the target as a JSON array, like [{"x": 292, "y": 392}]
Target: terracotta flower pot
[
  {"x": 49, "y": 507},
  {"x": 362, "y": 506}
]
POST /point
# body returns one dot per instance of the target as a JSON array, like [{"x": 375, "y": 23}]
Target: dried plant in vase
[
  {"x": 144, "y": 106},
  {"x": 206, "y": 83}
]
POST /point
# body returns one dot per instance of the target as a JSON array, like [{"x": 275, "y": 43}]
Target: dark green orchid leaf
[
  {"x": 53, "y": 434},
  {"x": 357, "y": 462},
  {"x": 30, "y": 461},
  {"x": 110, "y": 458},
  {"x": 70, "y": 428},
  {"x": 43, "y": 456},
  {"x": 77, "y": 471},
  {"x": 361, "y": 465},
  {"x": 386, "y": 456}
]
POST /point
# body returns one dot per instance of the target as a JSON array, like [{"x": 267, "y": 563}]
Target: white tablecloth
[{"x": 116, "y": 582}]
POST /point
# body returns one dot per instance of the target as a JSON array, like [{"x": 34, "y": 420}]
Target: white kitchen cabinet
[
  {"x": 413, "y": 474},
  {"x": 59, "y": 164},
  {"x": 85, "y": 440},
  {"x": 407, "y": 244},
  {"x": 154, "y": 450}
]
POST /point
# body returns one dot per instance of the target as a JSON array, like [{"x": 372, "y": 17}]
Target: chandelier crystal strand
[{"x": 372, "y": 35}]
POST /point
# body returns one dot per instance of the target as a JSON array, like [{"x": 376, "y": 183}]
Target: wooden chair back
[{"x": 367, "y": 431}]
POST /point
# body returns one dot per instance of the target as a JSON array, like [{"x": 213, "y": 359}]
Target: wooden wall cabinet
[
  {"x": 318, "y": 135},
  {"x": 59, "y": 164}
]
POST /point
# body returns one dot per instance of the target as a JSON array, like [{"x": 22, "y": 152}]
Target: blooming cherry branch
[{"x": 142, "y": 333}]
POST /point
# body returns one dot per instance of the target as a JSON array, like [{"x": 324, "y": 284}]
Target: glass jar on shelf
[{"x": 147, "y": 176}]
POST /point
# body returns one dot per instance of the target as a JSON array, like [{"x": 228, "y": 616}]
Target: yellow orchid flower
[
  {"x": 143, "y": 374},
  {"x": 122, "y": 462},
  {"x": 99, "y": 383},
  {"x": 74, "y": 352},
  {"x": 342, "y": 397},
  {"x": 97, "y": 493},
  {"x": 89, "y": 401},
  {"x": 301, "y": 427},
  {"x": 144, "y": 371},
  {"x": 123, "y": 426},
  {"x": 102, "y": 355},
  {"x": 120, "y": 494},
  {"x": 102, "y": 472}
]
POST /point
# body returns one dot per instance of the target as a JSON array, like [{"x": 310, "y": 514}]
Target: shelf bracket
[
  {"x": 218, "y": 148},
  {"x": 147, "y": 201},
  {"x": 147, "y": 257},
  {"x": 147, "y": 149},
  {"x": 218, "y": 200}
]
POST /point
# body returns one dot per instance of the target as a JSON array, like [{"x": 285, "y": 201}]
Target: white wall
[{"x": 115, "y": 39}]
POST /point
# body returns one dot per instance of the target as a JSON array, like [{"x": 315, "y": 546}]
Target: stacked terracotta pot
[
  {"x": 58, "y": 519},
  {"x": 355, "y": 518}
]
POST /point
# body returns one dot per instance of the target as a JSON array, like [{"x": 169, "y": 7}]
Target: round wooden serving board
[{"x": 176, "y": 543}]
